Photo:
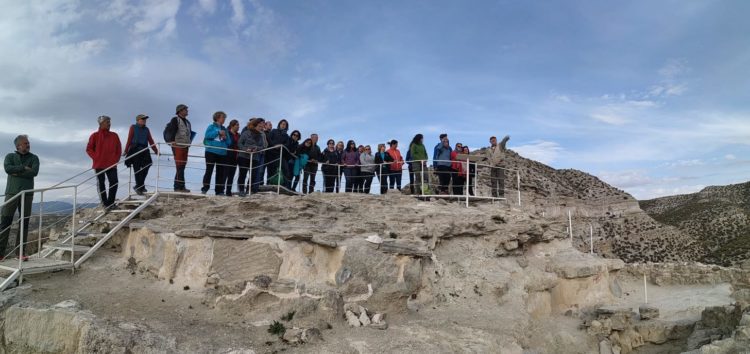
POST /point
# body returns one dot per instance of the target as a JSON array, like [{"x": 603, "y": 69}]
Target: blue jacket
[
  {"x": 299, "y": 163},
  {"x": 211, "y": 138},
  {"x": 435, "y": 153},
  {"x": 443, "y": 154}
]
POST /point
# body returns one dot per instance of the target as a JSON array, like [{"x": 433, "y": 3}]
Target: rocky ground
[{"x": 362, "y": 274}]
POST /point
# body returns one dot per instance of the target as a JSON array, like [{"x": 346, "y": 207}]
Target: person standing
[
  {"x": 179, "y": 135},
  {"x": 276, "y": 138},
  {"x": 290, "y": 156},
  {"x": 419, "y": 155},
  {"x": 383, "y": 170},
  {"x": 340, "y": 171},
  {"x": 350, "y": 161},
  {"x": 216, "y": 140},
  {"x": 394, "y": 179},
  {"x": 410, "y": 169},
  {"x": 105, "y": 149},
  {"x": 436, "y": 149},
  {"x": 21, "y": 166},
  {"x": 442, "y": 161},
  {"x": 300, "y": 163},
  {"x": 367, "y": 169},
  {"x": 457, "y": 180},
  {"x": 311, "y": 168},
  {"x": 231, "y": 160},
  {"x": 251, "y": 141},
  {"x": 330, "y": 162},
  {"x": 136, "y": 152},
  {"x": 458, "y": 173},
  {"x": 495, "y": 156},
  {"x": 471, "y": 171}
]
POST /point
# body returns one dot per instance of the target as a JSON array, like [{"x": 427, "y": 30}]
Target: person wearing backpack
[
  {"x": 179, "y": 135},
  {"x": 136, "y": 152}
]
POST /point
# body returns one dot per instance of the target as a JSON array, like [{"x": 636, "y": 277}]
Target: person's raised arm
[
  {"x": 504, "y": 141},
  {"x": 11, "y": 167},
  {"x": 32, "y": 170}
]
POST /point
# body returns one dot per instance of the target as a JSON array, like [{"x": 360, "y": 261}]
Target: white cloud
[
  {"x": 156, "y": 16},
  {"x": 543, "y": 151},
  {"x": 685, "y": 163},
  {"x": 730, "y": 157},
  {"x": 208, "y": 6},
  {"x": 238, "y": 13},
  {"x": 626, "y": 179}
]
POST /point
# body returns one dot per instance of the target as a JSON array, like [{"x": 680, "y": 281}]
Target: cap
[
  {"x": 141, "y": 116},
  {"x": 180, "y": 107},
  {"x": 101, "y": 119}
]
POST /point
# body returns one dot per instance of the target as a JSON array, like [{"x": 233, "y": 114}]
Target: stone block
[
  {"x": 648, "y": 312},
  {"x": 352, "y": 319}
]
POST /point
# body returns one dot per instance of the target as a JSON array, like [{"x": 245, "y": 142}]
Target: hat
[
  {"x": 101, "y": 119},
  {"x": 141, "y": 116},
  {"x": 393, "y": 142},
  {"x": 180, "y": 107}
]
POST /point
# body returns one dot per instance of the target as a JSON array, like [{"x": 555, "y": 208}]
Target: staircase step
[
  {"x": 132, "y": 202},
  {"x": 66, "y": 246},
  {"x": 120, "y": 211},
  {"x": 91, "y": 234},
  {"x": 36, "y": 265}
]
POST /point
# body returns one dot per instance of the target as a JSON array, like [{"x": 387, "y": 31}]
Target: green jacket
[
  {"x": 19, "y": 177},
  {"x": 418, "y": 152}
]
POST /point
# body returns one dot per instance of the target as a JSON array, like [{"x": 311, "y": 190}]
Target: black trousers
[
  {"x": 230, "y": 168},
  {"x": 444, "y": 175},
  {"x": 242, "y": 184},
  {"x": 458, "y": 183},
  {"x": 383, "y": 179},
  {"x": 214, "y": 160},
  {"x": 107, "y": 195},
  {"x": 411, "y": 179},
  {"x": 141, "y": 163},
  {"x": 366, "y": 178},
  {"x": 394, "y": 180},
  {"x": 308, "y": 180},
  {"x": 329, "y": 178},
  {"x": 7, "y": 220}
]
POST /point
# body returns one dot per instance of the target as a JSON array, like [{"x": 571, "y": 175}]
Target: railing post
[
  {"x": 518, "y": 185},
  {"x": 250, "y": 175},
  {"x": 130, "y": 179},
  {"x": 338, "y": 178},
  {"x": 466, "y": 182},
  {"x": 380, "y": 176},
  {"x": 21, "y": 230},
  {"x": 73, "y": 225},
  {"x": 158, "y": 172},
  {"x": 278, "y": 170},
  {"x": 39, "y": 237}
]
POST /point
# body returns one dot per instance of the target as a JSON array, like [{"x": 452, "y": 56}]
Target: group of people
[
  {"x": 260, "y": 150},
  {"x": 274, "y": 156}
]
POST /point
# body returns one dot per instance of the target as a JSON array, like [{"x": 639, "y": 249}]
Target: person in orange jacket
[
  {"x": 395, "y": 168},
  {"x": 104, "y": 149}
]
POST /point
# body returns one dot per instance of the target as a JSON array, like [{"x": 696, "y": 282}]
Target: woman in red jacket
[{"x": 104, "y": 149}]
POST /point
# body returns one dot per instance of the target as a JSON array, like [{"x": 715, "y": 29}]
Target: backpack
[{"x": 169, "y": 131}]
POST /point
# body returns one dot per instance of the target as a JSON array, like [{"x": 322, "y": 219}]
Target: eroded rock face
[{"x": 62, "y": 328}]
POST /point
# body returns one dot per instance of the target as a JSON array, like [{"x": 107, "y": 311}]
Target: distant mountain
[
  {"x": 58, "y": 207},
  {"x": 718, "y": 217},
  {"x": 621, "y": 229}
]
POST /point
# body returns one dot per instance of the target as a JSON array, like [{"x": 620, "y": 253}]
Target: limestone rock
[
  {"x": 406, "y": 247},
  {"x": 352, "y": 319},
  {"x": 605, "y": 347},
  {"x": 382, "y": 325},
  {"x": 378, "y": 317},
  {"x": 311, "y": 335},
  {"x": 292, "y": 335},
  {"x": 648, "y": 312},
  {"x": 364, "y": 319}
]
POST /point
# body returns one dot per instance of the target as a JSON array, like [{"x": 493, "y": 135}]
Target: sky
[{"x": 653, "y": 97}]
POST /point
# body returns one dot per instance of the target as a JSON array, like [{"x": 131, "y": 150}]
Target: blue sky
[{"x": 652, "y": 97}]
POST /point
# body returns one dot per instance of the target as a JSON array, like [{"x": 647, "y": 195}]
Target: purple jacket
[{"x": 350, "y": 158}]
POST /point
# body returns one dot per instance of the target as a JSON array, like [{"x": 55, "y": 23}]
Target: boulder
[{"x": 648, "y": 312}]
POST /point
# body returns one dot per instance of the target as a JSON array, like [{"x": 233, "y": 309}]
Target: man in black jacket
[
  {"x": 311, "y": 169},
  {"x": 179, "y": 135}
]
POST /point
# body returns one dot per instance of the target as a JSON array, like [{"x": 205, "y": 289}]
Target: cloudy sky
[{"x": 651, "y": 96}]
